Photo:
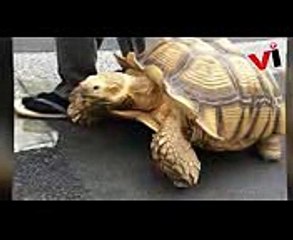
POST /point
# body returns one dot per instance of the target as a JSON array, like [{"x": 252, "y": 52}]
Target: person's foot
[{"x": 43, "y": 105}]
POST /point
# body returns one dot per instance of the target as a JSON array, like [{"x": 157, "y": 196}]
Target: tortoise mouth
[{"x": 97, "y": 100}]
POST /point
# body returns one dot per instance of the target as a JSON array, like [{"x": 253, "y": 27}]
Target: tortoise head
[{"x": 138, "y": 88}]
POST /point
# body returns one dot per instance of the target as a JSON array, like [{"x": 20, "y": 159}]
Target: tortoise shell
[{"x": 217, "y": 82}]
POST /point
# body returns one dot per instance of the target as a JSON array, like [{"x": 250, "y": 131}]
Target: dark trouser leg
[
  {"x": 76, "y": 59},
  {"x": 138, "y": 44},
  {"x": 126, "y": 45}
]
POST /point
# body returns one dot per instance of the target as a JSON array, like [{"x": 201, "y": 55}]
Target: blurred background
[
  {"x": 6, "y": 121},
  {"x": 289, "y": 140}
]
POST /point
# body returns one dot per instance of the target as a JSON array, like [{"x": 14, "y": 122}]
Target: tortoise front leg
[
  {"x": 83, "y": 114},
  {"x": 83, "y": 111},
  {"x": 174, "y": 156}
]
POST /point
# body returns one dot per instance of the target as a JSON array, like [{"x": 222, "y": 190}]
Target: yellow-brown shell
[{"x": 221, "y": 86}]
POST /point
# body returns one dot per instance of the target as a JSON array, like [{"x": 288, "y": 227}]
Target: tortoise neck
[
  {"x": 166, "y": 108},
  {"x": 145, "y": 94}
]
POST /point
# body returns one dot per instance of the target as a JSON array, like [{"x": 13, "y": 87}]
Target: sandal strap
[{"x": 52, "y": 104}]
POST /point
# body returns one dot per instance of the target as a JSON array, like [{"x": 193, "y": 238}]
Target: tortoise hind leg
[
  {"x": 174, "y": 156},
  {"x": 270, "y": 148}
]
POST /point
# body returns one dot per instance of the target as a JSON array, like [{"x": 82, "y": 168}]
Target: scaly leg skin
[
  {"x": 174, "y": 156},
  {"x": 270, "y": 148},
  {"x": 84, "y": 115}
]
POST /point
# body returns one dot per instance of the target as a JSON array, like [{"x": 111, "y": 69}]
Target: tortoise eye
[{"x": 96, "y": 87}]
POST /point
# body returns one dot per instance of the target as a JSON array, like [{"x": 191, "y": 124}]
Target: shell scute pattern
[{"x": 228, "y": 93}]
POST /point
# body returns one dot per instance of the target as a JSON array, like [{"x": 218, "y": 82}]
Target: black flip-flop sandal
[{"x": 44, "y": 105}]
